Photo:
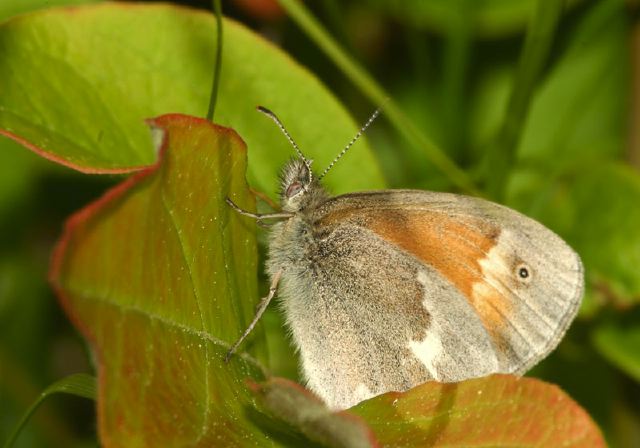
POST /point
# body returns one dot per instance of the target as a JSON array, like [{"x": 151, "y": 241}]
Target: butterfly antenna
[
  {"x": 273, "y": 116},
  {"x": 353, "y": 140}
]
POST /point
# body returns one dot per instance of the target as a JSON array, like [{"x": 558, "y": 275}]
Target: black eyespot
[{"x": 523, "y": 272}]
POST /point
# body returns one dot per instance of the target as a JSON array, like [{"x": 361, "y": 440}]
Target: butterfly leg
[
  {"x": 262, "y": 306},
  {"x": 258, "y": 216}
]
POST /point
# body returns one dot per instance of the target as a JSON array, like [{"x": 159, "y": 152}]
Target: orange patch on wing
[{"x": 453, "y": 245}]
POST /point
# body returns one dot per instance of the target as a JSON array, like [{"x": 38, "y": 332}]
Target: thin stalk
[
  {"x": 633, "y": 141},
  {"x": 334, "y": 11},
  {"x": 18, "y": 386},
  {"x": 80, "y": 384},
  {"x": 217, "y": 9},
  {"x": 535, "y": 54},
  {"x": 372, "y": 90},
  {"x": 458, "y": 41}
]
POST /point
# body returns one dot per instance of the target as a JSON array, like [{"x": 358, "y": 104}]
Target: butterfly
[{"x": 385, "y": 290}]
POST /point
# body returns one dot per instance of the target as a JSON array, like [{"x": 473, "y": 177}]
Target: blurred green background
[{"x": 451, "y": 66}]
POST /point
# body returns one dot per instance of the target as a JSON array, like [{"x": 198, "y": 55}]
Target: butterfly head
[{"x": 298, "y": 187}]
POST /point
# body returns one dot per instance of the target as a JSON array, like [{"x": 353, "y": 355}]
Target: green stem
[
  {"x": 80, "y": 384},
  {"x": 334, "y": 11},
  {"x": 217, "y": 8},
  {"x": 456, "y": 64},
  {"x": 536, "y": 50},
  {"x": 18, "y": 386},
  {"x": 371, "y": 89}
]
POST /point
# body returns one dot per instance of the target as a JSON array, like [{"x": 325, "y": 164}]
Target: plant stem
[
  {"x": 17, "y": 385},
  {"x": 536, "y": 50},
  {"x": 217, "y": 8},
  {"x": 80, "y": 384},
  {"x": 458, "y": 41},
  {"x": 633, "y": 142},
  {"x": 372, "y": 90}
]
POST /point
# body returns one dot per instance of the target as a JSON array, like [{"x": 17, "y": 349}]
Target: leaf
[
  {"x": 77, "y": 83},
  {"x": 618, "y": 340},
  {"x": 580, "y": 108},
  {"x": 79, "y": 384},
  {"x": 159, "y": 275},
  {"x": 499, "y": 410},
  {"x": 580, "y": 113},
  {"x": 605, "y": 232},
  {"x": 17, "y": 175},
  {"x": 10, "y": 8},
  {"x": 575, "y": 355}
]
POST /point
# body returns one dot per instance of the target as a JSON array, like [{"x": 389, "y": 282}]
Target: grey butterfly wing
[{"x": 401, "y": 287}]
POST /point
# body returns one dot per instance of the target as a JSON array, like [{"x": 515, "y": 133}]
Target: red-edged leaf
[
  {"x": 157, "y": 274},
  {"x": 498, "y": 410}
]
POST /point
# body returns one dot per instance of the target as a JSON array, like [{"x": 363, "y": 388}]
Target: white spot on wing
[
  {"x": 430, "y": 348},
  {"x": 362, "y": 393},
  {"x": 494, "y": 269},
  {"x": 427, "y": 351}
]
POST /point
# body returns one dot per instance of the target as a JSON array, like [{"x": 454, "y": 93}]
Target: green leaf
[
  {"x": 499, "y": 410},
  {"x": 618, "y": 340},
  {"x": 160, "y": 275},
  {"x": 76, "y": 85},
  {"x": 605, "y": 231},
  {"x": 10, "y": 8},
  {"x": 80, "y": 384},
  {"x": 580, "y": 112},
  {"x": 18, "y": 171}
]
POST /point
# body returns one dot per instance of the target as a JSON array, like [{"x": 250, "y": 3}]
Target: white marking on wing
[
  {"x": 497, "y": 275},
  {"x": 429, "y": 349},
  {"x": 362, "y": 393}
]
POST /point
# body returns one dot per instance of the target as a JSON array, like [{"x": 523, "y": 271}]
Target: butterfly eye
[
  {"x": 523, "y": 272},
  {"x": 293, "y": 189}
]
